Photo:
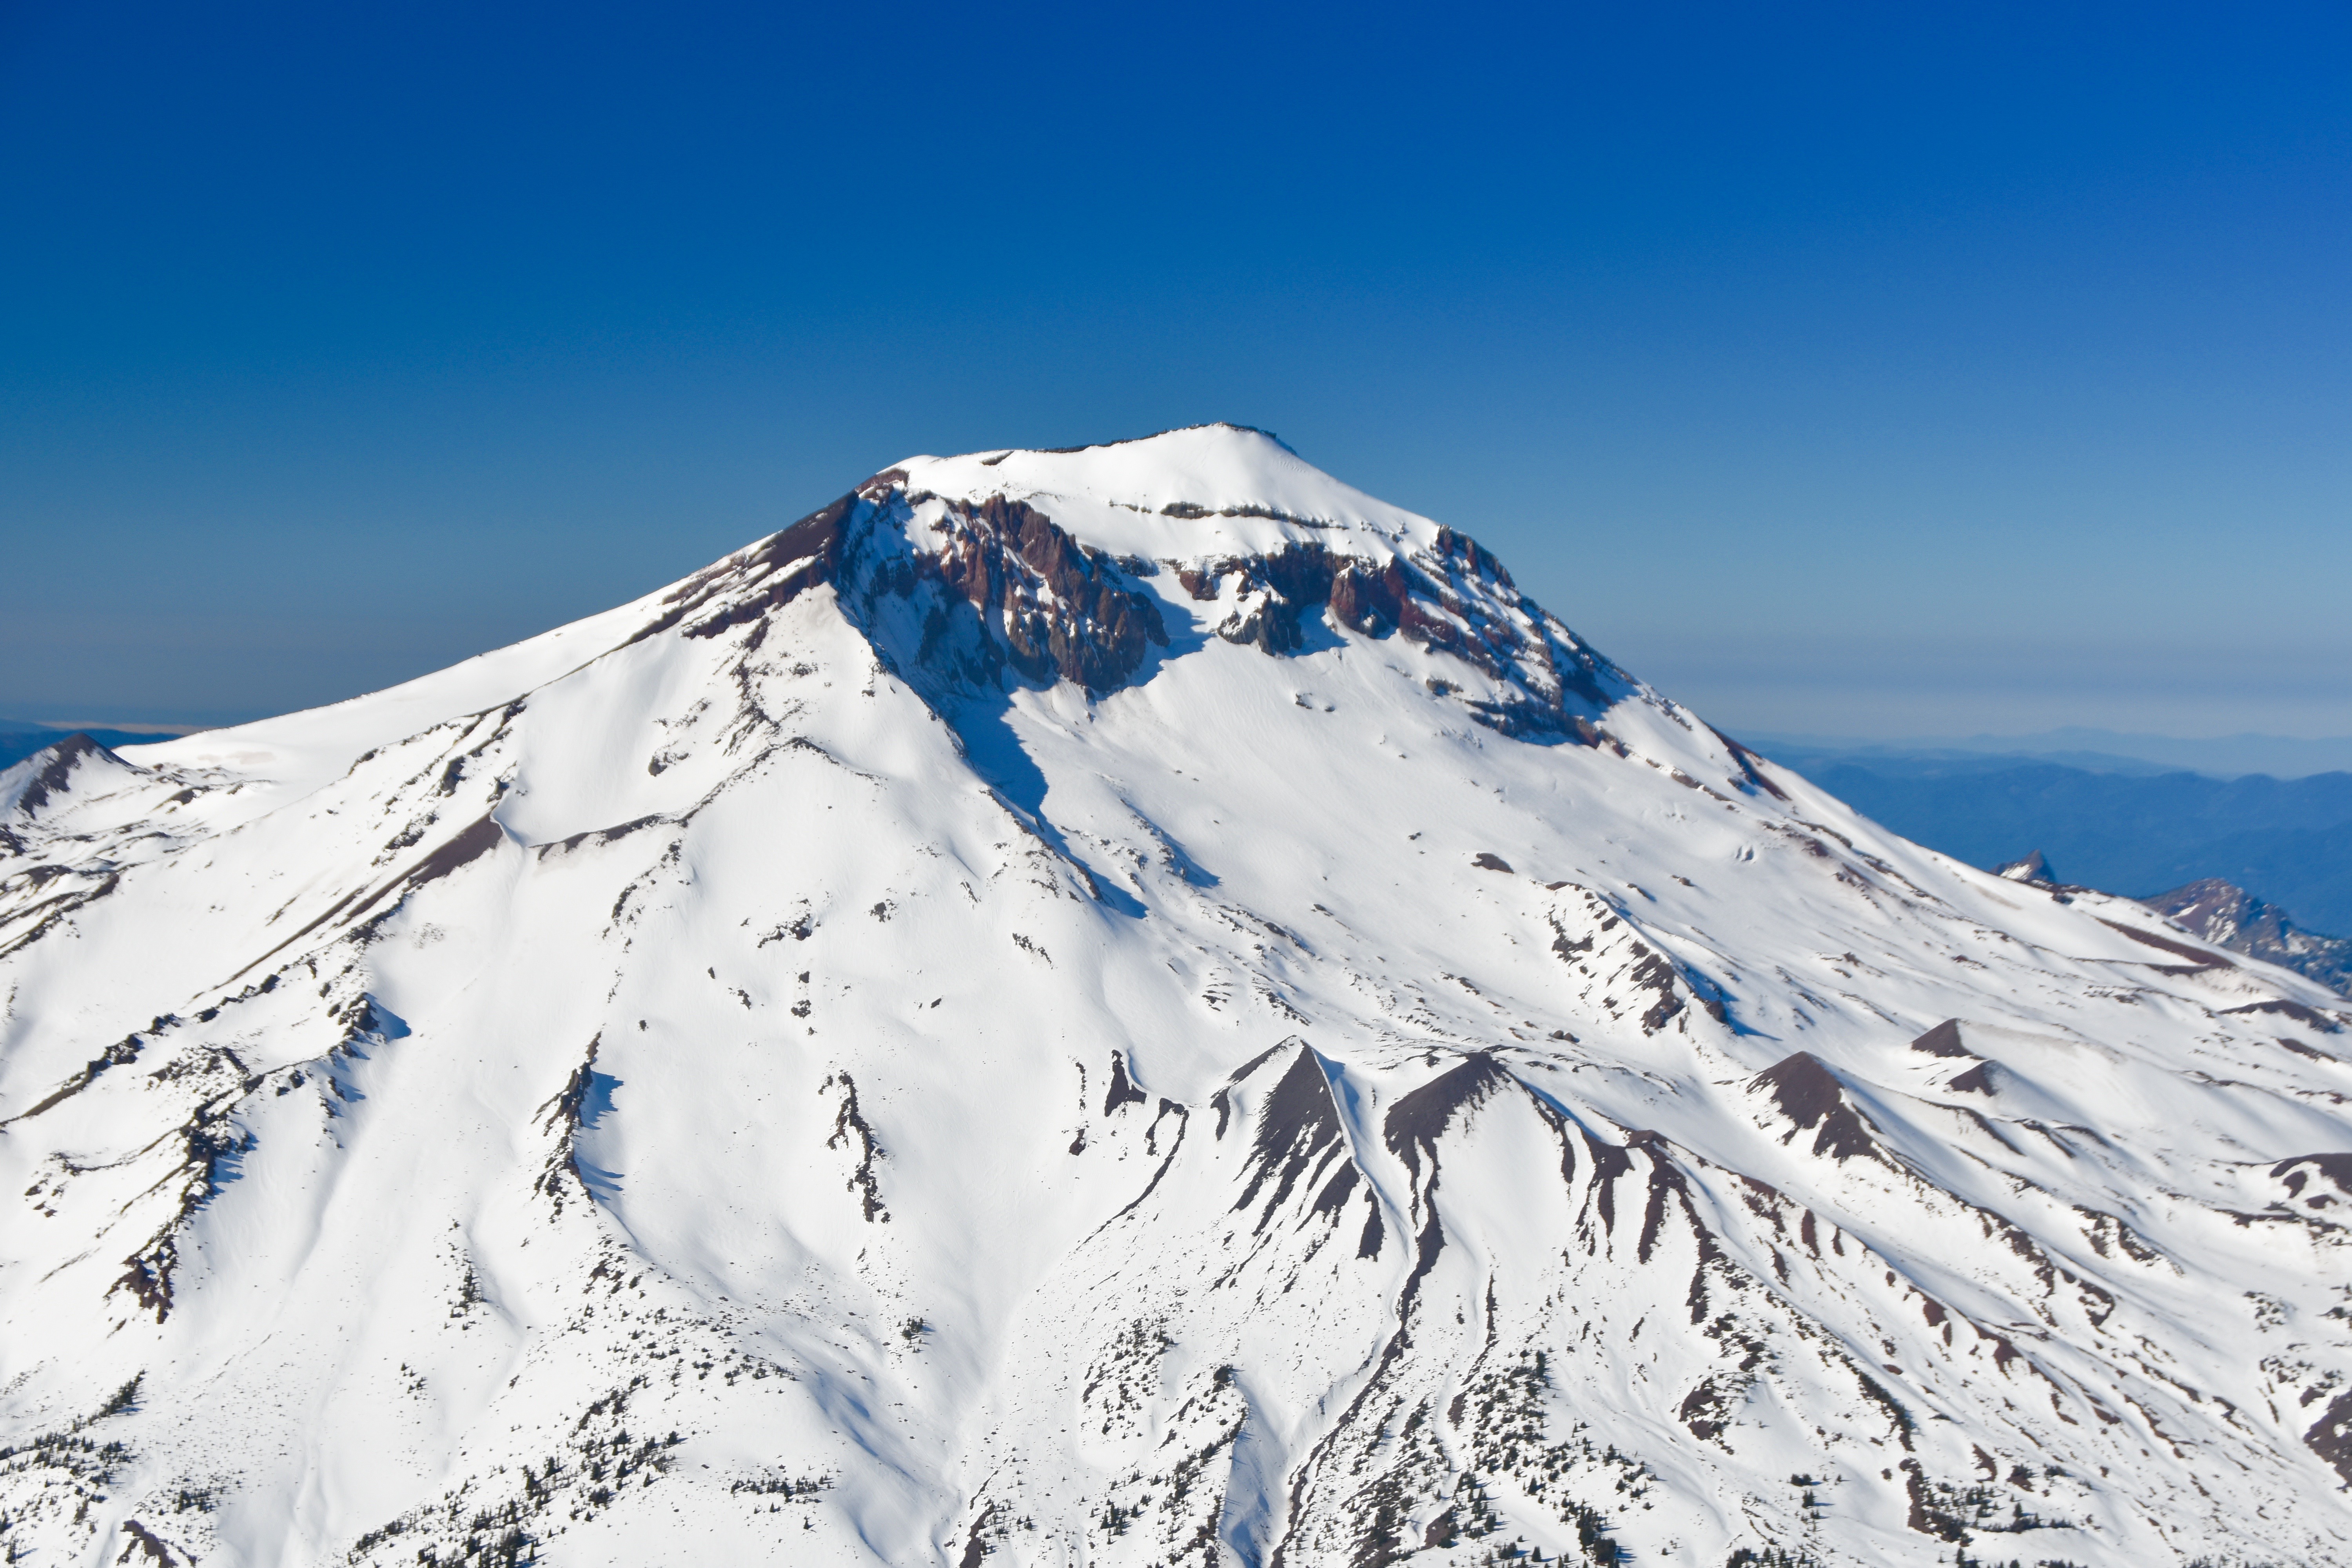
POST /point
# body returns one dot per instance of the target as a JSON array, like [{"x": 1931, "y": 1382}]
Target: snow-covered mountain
[
  {"x": 1132, "y": 1005},
  {"x": 2229, "y": 917}
]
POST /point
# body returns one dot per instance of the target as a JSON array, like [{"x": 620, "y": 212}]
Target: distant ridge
[
  {"x": 2228, "y": 916},
  {"x": 2286, "y": 841},
  {"x": 2095, "y": 751}
]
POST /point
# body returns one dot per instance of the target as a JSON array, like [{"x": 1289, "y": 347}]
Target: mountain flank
[{"x": 1134, "y": 1006}]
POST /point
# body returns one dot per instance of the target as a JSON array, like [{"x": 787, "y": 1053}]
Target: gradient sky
[{"x": 1857, "y": 372}]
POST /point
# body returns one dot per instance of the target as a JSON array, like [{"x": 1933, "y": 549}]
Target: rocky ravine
[{"x": 1131, "y": 1006}]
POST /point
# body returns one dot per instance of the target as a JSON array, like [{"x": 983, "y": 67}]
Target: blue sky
[{"x": 1842, "y": 371}]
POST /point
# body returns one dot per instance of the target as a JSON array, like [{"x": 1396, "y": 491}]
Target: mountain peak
[
  {"x": 968, "y": 572},
  {"x": 1132, "y": 1005},
  {"x": 76, "y": 764},
  {"x": 2035, "y": 868},
  {"x": 1202, "y": 489},
  {"x": 2228, "y": 916}
]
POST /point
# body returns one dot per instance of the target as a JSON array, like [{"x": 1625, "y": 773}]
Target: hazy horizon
[{"x": 1869, "y": 374}]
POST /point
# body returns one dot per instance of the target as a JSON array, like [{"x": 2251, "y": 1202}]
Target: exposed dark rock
[
  {"x": 1369, "y": 600},
  {"x": 1418, "y": 599},
  {"x": 562, "y": 1116},
  {"x": 1221, "y": 1102},
  {"x": 1060, "y": 608},
  {"x": 2330, "y": 1437},
  {"x": 601, "y": 834},
  {"x": 1122, "y": 1092},
  {"x": 1490, "y": 861},
  {"x": 2295, "y": 1010},
  {"x": 1335, "y": 1192},
  {"x": 1810, "y": 1095},
  {"x": 768, "y": 576},
  {"x": 209, "y": 1144},
  {"x": 1416, "y": 1121},
  {"x": 975, "y": 1546},
  {"x": 1281, "y": 587},
  {"x": 56, "y": 775},
  {"x": 1018, "y": 592},
  {"x": 1977, "y": 1079},
  {"x": 1002, "y": 587},
  {"x": 1247, "y": 508},
  {"x": 122, "y": 1053},
  {"x": 1368, "y": 1244},
  {"x": 1748, "y": 768},
  {"x": 798, "y": 558},
  {"x": 2204, "y": 958},
  {"x": 477, "y": 839},
  {"x": 1943, "y": 1040},
  {"x": 1665, "y": 1183},
  {"x": 1705, "y": 1410},
  {"x": 1184, "y": 1125},
  {"x": 1653, "y": 973},
  {"x": 2200, "y": 958},
  {"x": 849, "y": 1123},
  {"x": 1413, "y": 1122},
  {"x": 1807, "y": 1092},
  {"x": 1588, "y": 733},
  {"x": 143, "y": 1540},
  {"x": 1297, "y": 1133},
  {"x": 2297, "y": 1173},
  {"x": 2228, "y": 916},
  {"x": 1610, "y": 1161},
  {"x": 2035, "y": 868},
  {"x": 471, "y": 843}
]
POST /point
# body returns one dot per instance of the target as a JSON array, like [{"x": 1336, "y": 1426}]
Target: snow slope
[{"x": 1133, "y": 1005}]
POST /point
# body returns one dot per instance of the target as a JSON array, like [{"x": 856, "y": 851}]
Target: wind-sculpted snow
[{"x": 1127, "y": 1006}]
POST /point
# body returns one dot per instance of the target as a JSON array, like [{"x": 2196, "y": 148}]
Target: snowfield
[{"x": 1124, "y": 1007}]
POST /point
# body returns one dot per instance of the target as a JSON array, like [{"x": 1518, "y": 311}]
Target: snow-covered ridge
[
  {"x": 1005, "y": 571},
  {"x": 1124, "y": 1005}
]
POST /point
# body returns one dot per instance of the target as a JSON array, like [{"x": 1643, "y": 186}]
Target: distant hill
[
  {"x": 2227, "y": 916},
  {"x": 2231, "y": 917},
  {"x": 2099, "y": 751},
  {"x": 2288, "y": 842},
  {"x": 19, "y": 740}
]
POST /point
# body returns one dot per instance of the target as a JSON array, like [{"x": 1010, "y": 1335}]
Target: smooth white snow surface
[{"x": 756, "y": 1077}]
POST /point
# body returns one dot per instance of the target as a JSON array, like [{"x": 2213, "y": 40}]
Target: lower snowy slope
[{"x": 1133, "y": 1006}]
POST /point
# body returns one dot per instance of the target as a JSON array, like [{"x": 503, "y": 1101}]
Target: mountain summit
[{"x": 1131, "y": 1006}]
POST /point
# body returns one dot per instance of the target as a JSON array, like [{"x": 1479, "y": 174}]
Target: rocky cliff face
[
  {"x": 962, "y": 592},
  {"x": 1131, "y": 1006},
  {"x": 2228, "y": 916}
]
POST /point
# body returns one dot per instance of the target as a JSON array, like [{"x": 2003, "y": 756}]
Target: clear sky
[{"x": 1859, "y": 372}]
